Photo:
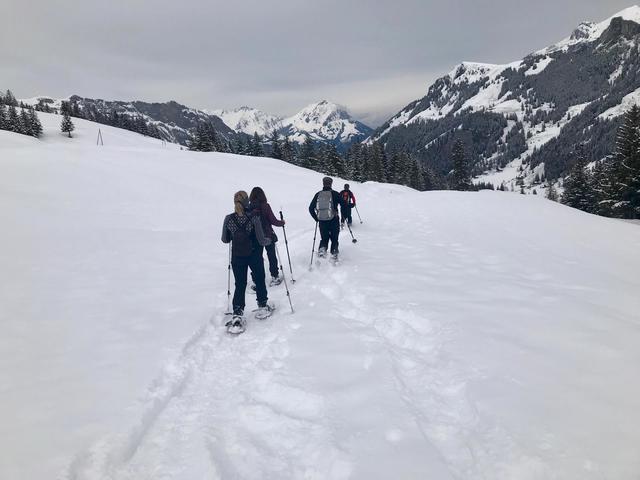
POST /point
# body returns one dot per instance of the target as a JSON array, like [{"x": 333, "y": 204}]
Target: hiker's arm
[
  {"x": 226, "y": 238},
  {"x": 312, "y": 207},
  {"x": 272, "y": 218}
]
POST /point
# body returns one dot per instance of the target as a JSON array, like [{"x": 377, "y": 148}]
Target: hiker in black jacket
[
  {"x": 324, "y": 210},
  {"x": 247, "y": 238}
]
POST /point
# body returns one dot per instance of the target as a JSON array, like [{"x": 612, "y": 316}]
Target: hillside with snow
[
  {"x": 483, "y": 335},
  {"x": 520, "y": 122}
]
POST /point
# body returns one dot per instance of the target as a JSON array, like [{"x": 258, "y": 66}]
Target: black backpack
[{"x": 241, "y": 228}]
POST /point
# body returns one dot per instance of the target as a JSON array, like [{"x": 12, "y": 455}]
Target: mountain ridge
[{"x": 526, "y": 115}]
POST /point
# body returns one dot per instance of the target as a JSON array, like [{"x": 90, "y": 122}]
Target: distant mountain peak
[
  {"x": 249, "y": 120},
  {"x": 325, "y": 121}
]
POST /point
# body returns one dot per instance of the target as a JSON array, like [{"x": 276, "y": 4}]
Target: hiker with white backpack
[{"x": 324, "y": 210}]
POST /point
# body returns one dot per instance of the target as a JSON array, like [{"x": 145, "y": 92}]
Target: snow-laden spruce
[{"x": 465, "y": 335}]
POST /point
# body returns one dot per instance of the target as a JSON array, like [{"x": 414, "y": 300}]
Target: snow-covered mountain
[
  {"x": 521, "y": 121},
  {"x": 325, "y": 122},
  {"x": 460, "y": 340},
  {"x": 249, "y": 120},
  {"x": 173, "y": 120}
]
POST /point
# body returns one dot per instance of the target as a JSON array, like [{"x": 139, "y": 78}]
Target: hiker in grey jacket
[
  {"x": 246, "y": 235},
  {"x": 324, "y": 210}
]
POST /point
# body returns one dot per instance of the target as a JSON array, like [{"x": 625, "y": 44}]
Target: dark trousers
[
  {"x": 346, "y": 214},
  {"x": 273, "y": 260},
  {"x": 274, "y": 270},
  {"x": 240, "y": 266},
  {"x": 329, "y": 230}
]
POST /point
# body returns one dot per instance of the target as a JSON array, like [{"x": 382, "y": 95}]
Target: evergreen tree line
[
  {"x": 362, "y": 162},
  {"x": 25, "y": 122},
  {"x": 612, "y": 186}
]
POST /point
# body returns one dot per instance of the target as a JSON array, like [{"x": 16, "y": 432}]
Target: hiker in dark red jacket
[
  {"x": 349, "y": 202},
  {"x": 260, "y": 207}
]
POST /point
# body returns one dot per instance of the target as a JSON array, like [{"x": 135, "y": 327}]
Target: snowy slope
[
  {"x": 249, "y": 120},
  {"x": 491, "y": 336}
]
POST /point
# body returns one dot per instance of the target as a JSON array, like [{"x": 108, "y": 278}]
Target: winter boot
[
  {"x": 275, "y": 281},
  {"x": 265, "y": 311},
  {"x": 237, "y": 323}
]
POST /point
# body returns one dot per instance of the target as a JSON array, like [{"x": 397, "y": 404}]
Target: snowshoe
[
  {"x": 275, "y": 281},
  {"x": 265, "y": 312},
  {"x": 322, "y": 253},
  {"x": 236, "y": 325},
  {"x": 335, "y": 260}
]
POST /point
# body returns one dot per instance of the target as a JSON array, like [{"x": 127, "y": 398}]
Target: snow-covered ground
[{"x": 465, "y": 335}]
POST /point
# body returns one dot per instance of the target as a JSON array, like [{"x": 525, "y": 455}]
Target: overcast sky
[{"x": 373, "y": 56}]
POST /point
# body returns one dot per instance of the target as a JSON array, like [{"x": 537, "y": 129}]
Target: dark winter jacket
[
  {"x": 348, "y": 198},
  {"x": 267, "y": 218},
  {"x": 251, "y": 222},
  {"x": 337, "y": 201}
]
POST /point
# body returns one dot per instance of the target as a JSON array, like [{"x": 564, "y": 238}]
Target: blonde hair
[{"x": 239, "y": 199}]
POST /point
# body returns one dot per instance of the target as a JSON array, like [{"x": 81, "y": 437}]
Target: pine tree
[
  {"x": 3, "y": 116},
  {"x": 201, "y": 140},
  {"x": 337, "y": 162},
  {"x": 416, "y": 176},
  {"x": 604, "y": 186},
  {"x": 9, "y": 99},
  {"x": 255, "y": 147},
  {"x": 276, "y": 151},
  {"x": 325, "y": 162},
  {"x": 36, "y": 126},
  {"x": 376, "y": 163},
  {"x": 288, "y": 151},
  {"x": 627, "y": 177},
  {"x": 350, "y": 160},
  {"x": 13, "y": 120},
  {"x": 552, "y": 193},
  {"x": 578, "y": 188},
  {"x": 393, "y": 169},
  {"x": 25, "y": 123},
  {"x": 308, "y": 158},
  {"x": 67, "y": 126},
  {"x": 461, "y": 175}
]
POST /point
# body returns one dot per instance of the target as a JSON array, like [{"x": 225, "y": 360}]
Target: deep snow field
[{"x": 465, "y": 336}]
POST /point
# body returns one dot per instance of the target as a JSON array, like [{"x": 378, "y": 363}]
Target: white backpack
[{"x": 324, "y": 206}]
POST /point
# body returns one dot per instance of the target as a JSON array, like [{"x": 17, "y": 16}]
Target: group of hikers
[{"x": 249, "y": 230}]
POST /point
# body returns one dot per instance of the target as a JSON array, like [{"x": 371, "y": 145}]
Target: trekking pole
[
  {"x": 314, "y": 246},
  {"x": 353, "y": 239},
  {"x": 286, "y": 244},
  {"x": 356, "y": 207},
  {"x": 229, "y": 312},
  {"x": 286, "y": 287}
]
